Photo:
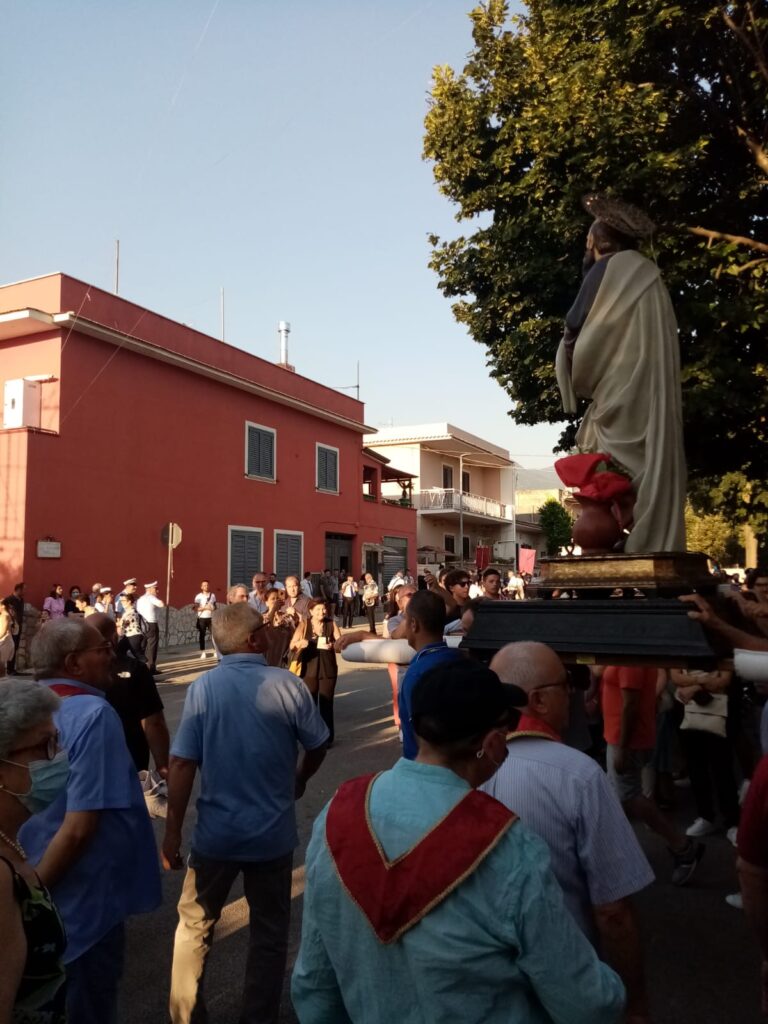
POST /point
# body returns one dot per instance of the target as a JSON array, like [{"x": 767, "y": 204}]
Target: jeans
[
  {"x": 207, "y": 884},
  {"x": 710, "y": 767},
  {"x": 93, "y": 978}
]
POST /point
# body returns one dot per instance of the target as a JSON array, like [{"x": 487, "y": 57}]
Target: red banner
[
  {"x": 526, "y": 559},
  {"x": 482, "y": 557}
]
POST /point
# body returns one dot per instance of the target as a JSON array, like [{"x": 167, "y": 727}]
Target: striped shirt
[{"x": 566, "y": 799}]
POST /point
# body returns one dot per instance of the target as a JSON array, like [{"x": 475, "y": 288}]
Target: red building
[{"x": 117, "y": 421}]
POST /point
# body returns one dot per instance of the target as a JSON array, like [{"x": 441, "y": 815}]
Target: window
[
  {"x": 245, "y": 553},
  {"x": 327, "y": 468},
  {"x": 465, "y": 483},
  {"x": 447, "y": 478},
  {"x": 259, "y": 451},
  {"x": 449, "y": 543},
  {"x": 288, "y": 553},
  {"x": 465, "y": 548}
]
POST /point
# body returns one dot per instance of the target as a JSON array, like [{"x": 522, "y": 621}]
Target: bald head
[
  {"x": 104, "y": 624},
  {"x": 527, "y": 665},
  {"x": 536, "y": 669}
]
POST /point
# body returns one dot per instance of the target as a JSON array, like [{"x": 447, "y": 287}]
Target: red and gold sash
[
  {"x": 395, "y": 894},
  {"x": 530, "y": 726}
]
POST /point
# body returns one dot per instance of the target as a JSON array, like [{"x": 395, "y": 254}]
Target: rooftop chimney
[{"x": 284, "y": 329}]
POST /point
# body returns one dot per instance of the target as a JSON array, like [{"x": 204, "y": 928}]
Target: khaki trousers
[{"x": 207, "y": 884}]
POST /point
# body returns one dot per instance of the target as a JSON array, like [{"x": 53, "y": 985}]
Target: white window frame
[
  {"x": 244, "y": 529},
  {"x": 293, "y": 533},
  {"x": 332, "y": 448},
  {"x": 252, "y": 476}
]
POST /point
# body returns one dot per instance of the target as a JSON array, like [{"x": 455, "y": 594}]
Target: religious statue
[{"x": 620, "y": 350}]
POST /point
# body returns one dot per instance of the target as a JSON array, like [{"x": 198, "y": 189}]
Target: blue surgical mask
[{"x": 47, "y": 779}]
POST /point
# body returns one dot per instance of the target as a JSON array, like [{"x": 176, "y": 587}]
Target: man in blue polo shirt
[
  {"x": 93, "y": 847},
  {"x": 424, "y": 624},
  {"x": 242, "y": 725}
]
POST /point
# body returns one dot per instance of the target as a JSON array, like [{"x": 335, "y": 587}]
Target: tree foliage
[
  {"x": 664, "y": 104},
  {"x": 715, "y": 536},
  {"x": 556, "y": 524}
]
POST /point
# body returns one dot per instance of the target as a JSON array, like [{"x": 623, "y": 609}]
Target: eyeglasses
[
  {"x": 49, "y": 747},
  {"x": 106, "y": 646},
  {"x": 564, "y": 684}
]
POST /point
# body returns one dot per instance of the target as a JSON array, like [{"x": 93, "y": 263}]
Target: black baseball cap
[{"x": 462, "y": 699}]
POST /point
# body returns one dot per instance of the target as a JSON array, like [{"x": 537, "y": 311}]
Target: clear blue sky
[{"x": 270, "y": 147}]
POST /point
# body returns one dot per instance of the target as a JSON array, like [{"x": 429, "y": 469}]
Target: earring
[{"x": 480, "y": 753}]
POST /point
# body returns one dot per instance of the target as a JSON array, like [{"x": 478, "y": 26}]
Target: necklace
[{"x": 14, "y": 846}]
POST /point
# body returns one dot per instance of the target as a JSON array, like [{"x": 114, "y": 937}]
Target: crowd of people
[{"x": 488, "y": 875}]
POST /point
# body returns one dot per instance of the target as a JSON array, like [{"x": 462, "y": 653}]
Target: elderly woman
[{"x": 33, "y": 772}]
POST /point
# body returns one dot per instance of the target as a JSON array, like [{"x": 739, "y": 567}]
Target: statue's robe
[{"x": 626, "y": 360}]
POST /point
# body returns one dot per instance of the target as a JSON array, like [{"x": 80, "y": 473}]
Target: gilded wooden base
[{"x": 662, "y": 574}]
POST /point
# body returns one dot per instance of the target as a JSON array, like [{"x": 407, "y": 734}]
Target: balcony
[{"x": 443, "y": 501}]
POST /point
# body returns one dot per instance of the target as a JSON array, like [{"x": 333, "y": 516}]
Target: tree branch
[
  {"x": 760, "y": 155},
  {"x": 721, "y": 236},
  {"x": 744, "y": 37}
]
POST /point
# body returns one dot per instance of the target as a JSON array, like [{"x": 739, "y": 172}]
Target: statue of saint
[{"x": 620, "y": 350}]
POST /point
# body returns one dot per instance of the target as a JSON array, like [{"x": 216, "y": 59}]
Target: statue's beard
[{"x": 588, "y": 262}]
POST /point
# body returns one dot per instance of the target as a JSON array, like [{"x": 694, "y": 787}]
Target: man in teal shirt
[{"x": 428, "y": 902}]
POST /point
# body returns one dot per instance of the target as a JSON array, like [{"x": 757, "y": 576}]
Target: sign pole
[{"x": 168, "y": 583}]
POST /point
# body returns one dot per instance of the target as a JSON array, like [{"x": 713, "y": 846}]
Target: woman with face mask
[{"x": 33, "y": 773}]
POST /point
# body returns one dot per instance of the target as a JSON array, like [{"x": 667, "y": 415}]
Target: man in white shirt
[
  {"x": 273, "y": 583},
  {"x": 129, "y": 587},
  {"x": 306, "y": 586},
  {"x": 348, "y": 600},
  {"x": 515, "y": 586},
  {"x": 205, "y": 605},
  {"x": 397, "y": 581},
  {"x": 256, "y": 598},
  {"x": 566, "y": 799},
  {"x": 104, "y": 603},
  {"x": 147, "y": 606}
]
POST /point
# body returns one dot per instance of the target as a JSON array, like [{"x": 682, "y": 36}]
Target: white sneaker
[
  {"x": 731, "y": 834},
  {"x": 743, "y": 790},
  {"x": 700, "y": 827},
  {"x": 734, "y": 900},
  {"x": 203, "y": 656}
]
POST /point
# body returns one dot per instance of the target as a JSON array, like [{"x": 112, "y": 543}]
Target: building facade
[
  {"x": 118, "y": 421},
  {"x": 463, "y": 490}
]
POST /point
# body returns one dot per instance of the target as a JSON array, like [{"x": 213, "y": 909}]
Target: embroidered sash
[
  {"x": 65, "y": 690},
  {"x": 530, "y": 726},
  {"x": 394, "y": 895}
]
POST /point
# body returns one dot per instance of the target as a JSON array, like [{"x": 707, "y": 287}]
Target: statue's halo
[{"x": 619, "y": 215}]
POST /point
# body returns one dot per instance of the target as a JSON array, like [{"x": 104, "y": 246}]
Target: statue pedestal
[
  {"x": 665, "y": 574},
  {"x": 623, "y": 610}
]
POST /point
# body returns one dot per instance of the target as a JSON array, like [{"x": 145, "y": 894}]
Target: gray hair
[
  {"x": 53, "y": 642},
  {"x": 233, "y": 590},
  {"x": 23, "y": 705},
  {"x": 233, "y": 624}
]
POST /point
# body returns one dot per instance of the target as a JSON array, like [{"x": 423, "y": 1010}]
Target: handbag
[{"x": 708, "y": 717}]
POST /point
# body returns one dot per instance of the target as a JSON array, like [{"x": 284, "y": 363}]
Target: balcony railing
[{"x": 444, "y": 500}]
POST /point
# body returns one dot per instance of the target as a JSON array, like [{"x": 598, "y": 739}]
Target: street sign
[{"x": 171, "y": 534}]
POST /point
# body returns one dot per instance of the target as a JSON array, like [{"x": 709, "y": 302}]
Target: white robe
[{"x": 626, "y": 359}]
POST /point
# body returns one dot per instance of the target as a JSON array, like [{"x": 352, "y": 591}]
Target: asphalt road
[{"x": 702, "y": 964}]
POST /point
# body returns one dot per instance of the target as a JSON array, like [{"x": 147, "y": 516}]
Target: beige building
[{"x": 463, "y": 490}]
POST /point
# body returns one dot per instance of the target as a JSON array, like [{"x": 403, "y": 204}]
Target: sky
[{"x": 271, "y": 148}]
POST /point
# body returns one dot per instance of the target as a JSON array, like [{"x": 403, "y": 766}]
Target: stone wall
[{"x": 182, "y": 630}]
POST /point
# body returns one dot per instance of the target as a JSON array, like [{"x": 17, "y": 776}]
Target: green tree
[
  {"x": 715, "y": 536},
  {"x": 556, "y": 524},
  {"x": 663, "y": 104}
]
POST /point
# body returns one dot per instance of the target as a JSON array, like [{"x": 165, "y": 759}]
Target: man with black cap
[{"x": 427, "y": 900}]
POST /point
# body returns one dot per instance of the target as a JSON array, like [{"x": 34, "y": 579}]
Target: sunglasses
[{"x": 463, "y": 583}]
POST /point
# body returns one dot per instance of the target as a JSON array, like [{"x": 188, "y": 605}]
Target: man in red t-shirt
[
  {"x": 753, "y": 863},
  {"x": 629, "y": 716}
]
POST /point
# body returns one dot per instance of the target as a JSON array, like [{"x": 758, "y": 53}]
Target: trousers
[
  {"x": 93, "y": 978},
  {"x": 710, "y": 767},
  {"x": 267, "y": 886},
  {"x": 203, "y": 627},
  {"x": 348, "y": 611},
  {"x": 153, "y": 640}
]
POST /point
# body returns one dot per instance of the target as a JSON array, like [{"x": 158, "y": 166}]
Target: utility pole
[
  {"x": 117, "y": 266},
  {"x": 222, "y": 314}
]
